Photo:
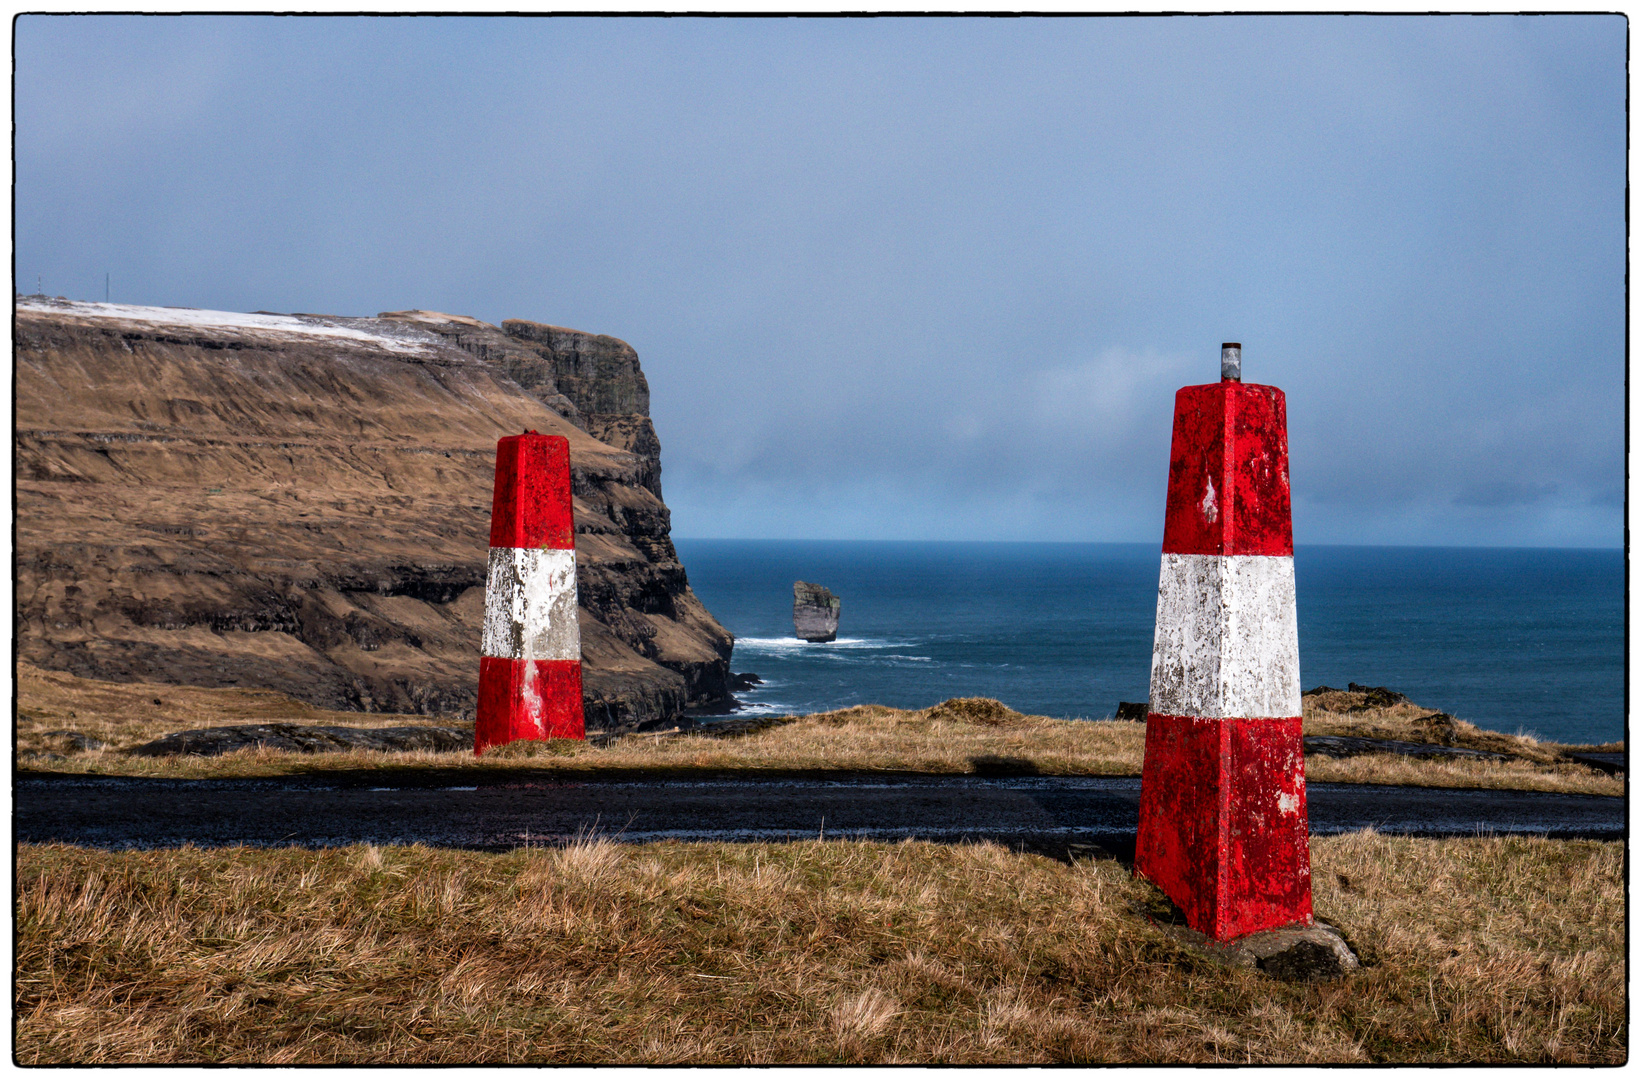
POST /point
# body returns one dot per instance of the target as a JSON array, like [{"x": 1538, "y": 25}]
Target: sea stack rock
[{"x": 815, "y": 612}]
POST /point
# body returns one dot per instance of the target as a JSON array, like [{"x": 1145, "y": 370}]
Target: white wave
[
  {"x": 762, "y": 708},
  {"x": 779, "y": 646}
]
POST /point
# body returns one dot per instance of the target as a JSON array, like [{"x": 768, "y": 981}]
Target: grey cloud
[
  {"x": 1505, "y": 493},
  {"x": 917, "y": 277}
]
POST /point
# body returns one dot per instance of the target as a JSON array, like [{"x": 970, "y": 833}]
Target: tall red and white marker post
[
  {"x": 530, "y": 667},
  {"x": 1223, "y": 829}
]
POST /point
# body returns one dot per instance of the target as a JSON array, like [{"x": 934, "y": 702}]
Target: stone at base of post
[{"x": 1298, "y": 952}]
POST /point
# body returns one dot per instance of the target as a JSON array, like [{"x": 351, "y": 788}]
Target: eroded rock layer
[{"x": 302, "y": 503}]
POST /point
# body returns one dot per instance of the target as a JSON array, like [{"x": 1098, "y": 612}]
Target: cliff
[{"x": 302, "y": 503}]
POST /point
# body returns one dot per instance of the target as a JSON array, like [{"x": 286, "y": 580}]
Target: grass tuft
[
  {"x": 987, "y": 712},
  {"x": 523, "y": 749}
]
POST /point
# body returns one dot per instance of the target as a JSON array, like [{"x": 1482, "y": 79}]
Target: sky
[{"x": 916, "y": 279}]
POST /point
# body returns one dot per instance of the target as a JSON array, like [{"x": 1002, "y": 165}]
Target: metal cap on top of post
[
  {"x": 530, "y": 663},
  {"x": 1223, "y": 828}
]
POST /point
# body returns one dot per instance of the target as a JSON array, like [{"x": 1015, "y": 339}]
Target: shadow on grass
[{"x": 996, "y": 765}]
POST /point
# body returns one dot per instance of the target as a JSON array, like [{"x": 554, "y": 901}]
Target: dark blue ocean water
[{"x": 1511, "y": 639}]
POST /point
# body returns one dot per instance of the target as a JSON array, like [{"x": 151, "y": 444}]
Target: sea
[{"x": 1512, "y": 639}]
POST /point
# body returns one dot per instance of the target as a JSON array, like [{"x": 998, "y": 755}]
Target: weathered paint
[
  {"x": 531, "y": 507},
  {"x": 1223, "y": 828},
  {"x": 1227, "y": 641},
  {"x": 530, "y": 605},
  {"x": 528, "y": 699},
  {"x": 1228, "y": 472},
  {"x": 530, "y": 667}
]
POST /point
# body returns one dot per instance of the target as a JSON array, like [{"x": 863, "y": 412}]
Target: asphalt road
[{"x": 526, "y": 808}]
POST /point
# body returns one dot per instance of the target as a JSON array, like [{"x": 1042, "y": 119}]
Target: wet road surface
[{"x": 506, "y": 812}]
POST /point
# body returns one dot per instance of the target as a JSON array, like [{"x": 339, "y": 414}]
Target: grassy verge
[
  {"x": 951, "y": 738},
  {"x": 128, "y": 714},
  {"x": 1477, "y": 950},
  {"x": 1532, "y": 764}
]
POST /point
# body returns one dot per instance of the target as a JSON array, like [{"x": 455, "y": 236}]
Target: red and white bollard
[
  {"x": 530, "y": 667},
  {"x": 1223, "y": 829}
]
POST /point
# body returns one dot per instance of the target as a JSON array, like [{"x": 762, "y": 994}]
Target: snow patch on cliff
[{"x": 391, "y": 336}]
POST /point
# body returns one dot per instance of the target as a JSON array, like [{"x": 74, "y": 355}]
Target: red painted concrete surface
[
  {"x": 1235, "y": 435},
  {"x": 528, "y": 699},
  {"x": 1214, "y": 835},
  {"x": 1223, "y": 828},
  {"x": 532, "y": 503}
]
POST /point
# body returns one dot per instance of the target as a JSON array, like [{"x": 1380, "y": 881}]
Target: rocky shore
[{"x": 302, "y": 502}]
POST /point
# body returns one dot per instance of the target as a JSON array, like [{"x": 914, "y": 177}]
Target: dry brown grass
[
  {"x": 964, "y": 735},
  {"x": 1478, "y": 950},
  {"x": 1533, "y": 765},
  {"x": 1515, "y": 775},
  {"x": 1344, "y": 712},
  {"x": 129, "y": 714}
]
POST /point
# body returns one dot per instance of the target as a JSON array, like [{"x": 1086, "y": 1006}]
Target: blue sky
[{"x": 916, "y": 279}]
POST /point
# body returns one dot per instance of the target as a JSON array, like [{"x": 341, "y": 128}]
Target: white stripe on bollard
[
  {"x": 1227, "y": 641},
  {"x": 530, "y": 605}
]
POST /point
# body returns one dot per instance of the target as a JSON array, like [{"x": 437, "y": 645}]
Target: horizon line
[{"x": 1135, "y": 543}]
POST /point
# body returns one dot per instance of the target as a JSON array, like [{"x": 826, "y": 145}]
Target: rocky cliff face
[{"x": 302, "y": 503}]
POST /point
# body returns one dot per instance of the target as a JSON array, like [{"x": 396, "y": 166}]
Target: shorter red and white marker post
[
  {"x": 1223, "y": 829},
  {"x": 530, "y": 667}
]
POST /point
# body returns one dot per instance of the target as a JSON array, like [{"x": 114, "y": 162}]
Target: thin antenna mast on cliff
[{"x": 105, "y": 286}]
